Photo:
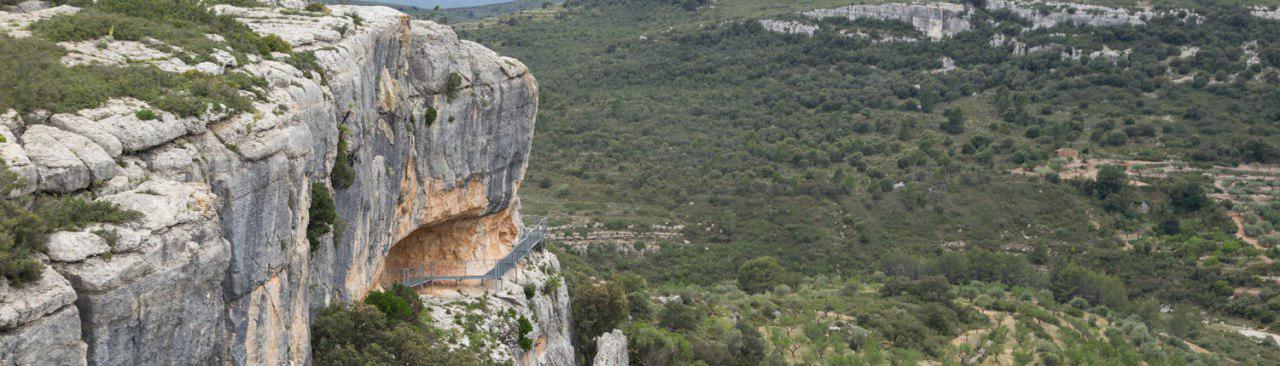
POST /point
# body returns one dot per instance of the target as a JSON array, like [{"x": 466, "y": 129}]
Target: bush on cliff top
[
  {"x": 182, "y": 23},
  {"x": 23, "y": 232},
  {"x": 31, "y": 77}
]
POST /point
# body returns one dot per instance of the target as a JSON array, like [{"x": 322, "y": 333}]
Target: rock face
[
  {"x": 935, "y": 20},
  {"x": 1050, "y": 14},
  {"x": 219, "y": 269},
  {"x": 611, "y": 349},
  {"x": 788, "y": 26},
  {"x": 39, "y": 324},
  {"x": 535, "y": 291},
  {"x": 942, "y": 20},
  {"x": 1266, "y": 12}
]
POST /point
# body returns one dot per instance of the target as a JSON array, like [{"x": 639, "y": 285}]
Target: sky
[{"x": 428, "y": 4}]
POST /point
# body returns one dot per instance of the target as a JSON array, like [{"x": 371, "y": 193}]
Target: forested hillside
[{"x": 1112, "y": 179}]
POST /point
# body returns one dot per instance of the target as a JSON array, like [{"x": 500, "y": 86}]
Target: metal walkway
[{"x": 462, "y": 270}]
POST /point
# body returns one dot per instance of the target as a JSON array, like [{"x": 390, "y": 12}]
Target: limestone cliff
[
  {"x": 938, "y": 20},
  {"x": 219, "y": 270},
  {"x": 935, "y": 20}
]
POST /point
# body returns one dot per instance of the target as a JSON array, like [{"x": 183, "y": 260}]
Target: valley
[{"x": 647, "y": 182}]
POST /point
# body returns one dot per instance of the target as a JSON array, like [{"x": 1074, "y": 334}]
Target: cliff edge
[{"x": 431, "y": 134}]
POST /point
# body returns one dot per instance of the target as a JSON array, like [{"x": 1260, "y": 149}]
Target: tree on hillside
[
  {"x": 763, "y": 274},
  {"x": 649, "y": 345},
  {"x": 1111, "y": 180},
  {"x": 955, "y": 121},
  {"x": 677, "y": 316},
  {"x": 1070, "y": 280},
  {"x": 598, "y": 307},
  {"x": 1186, "y": 192}
]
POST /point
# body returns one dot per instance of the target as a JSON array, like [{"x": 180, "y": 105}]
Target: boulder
[
  {"x": 611, "y": 349},
  {"x": 69, "y": 246},
  {"x": 66, "y": 162}
]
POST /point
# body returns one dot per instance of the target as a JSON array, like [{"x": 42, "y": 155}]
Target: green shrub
[
  {"x": 597, "y": 307},
  {"x": 146, "y": 114},
  {"x": 395, "y": 307},
  {"x": 763, "y": 274},
  {"x": 430, "y": 116},
  {"x": 23, "y": 232},
  {"x": 525, "y": 327},
  {"x": 356, "y": 19},
  {"x": 34, "y": 79},
  {"x": 317, "y": 7},
  {"x": 452, "y": 85},
  {"x": 1069, "y": 281},
  {"x": 1186, "y": 192},
  {"x": 362, "y": 335},
  {"x": 410, "y": 297},
  {"x": 676, "y": 316},
  {"x": 323, "y": 214},
  {"x": 307, "y": 63},
  {"x": 551, "y": 285},
  {"x": 274, "y": 43},
  {"x": 647, "y": 345},
  {"x": 344, "y": 174}
]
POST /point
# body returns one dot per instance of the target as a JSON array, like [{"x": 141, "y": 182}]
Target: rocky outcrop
[
  {"x": 219, "y": 269},
  {"x": 535, "y": 291},
  {"x": 942, "y": 20},
  {"x": 788, "y": 26},
  {"x": 39, "y": 323},
  {"x": 935, "y": 20},
  {"x": 16, "y": 20},
  {"x": 611, "y": 349},
  {"x": 1266, "y": 12},
  {"x": 1048, "y": 14}
]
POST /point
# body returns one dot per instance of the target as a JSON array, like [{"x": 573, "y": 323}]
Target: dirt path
[{"x": 1239, "y": 220}]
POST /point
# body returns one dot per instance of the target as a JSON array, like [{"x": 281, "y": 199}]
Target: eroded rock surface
[
  {"x": 494, "y": 311},
  {"x": 788, "y": 26},
  {"x": 611, "y": 349},
  {"x": 1050, "y": 14},
  {"x": 935, "y": 20}
]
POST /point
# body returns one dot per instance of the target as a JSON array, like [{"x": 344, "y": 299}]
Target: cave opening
[{"x": 459, "y": 249}]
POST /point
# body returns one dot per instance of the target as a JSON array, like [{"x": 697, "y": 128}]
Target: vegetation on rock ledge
[{"x": 24, "y": 231}]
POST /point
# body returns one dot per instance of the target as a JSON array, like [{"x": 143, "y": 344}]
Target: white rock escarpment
[
  {"x": 219, "y": 269},
  {"x": 942, "y": 20},
  {"x": 788, "y": 26},
  {"x": 1049, "y": 14},
  {"x": 935, "y": 20},
  {"x": 1266, "y": 13}
]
